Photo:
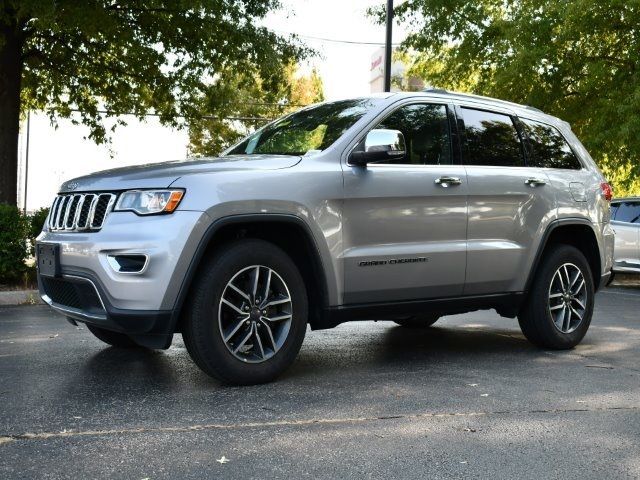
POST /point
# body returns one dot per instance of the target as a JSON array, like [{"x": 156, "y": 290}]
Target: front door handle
[
  {"x": 446, "y": 182},
  {"x": 534, "y": 182}
]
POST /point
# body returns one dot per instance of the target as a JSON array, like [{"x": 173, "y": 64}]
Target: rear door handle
[
  {"x": 446, "y": 182},
  {"x": 534, "y": 182}
]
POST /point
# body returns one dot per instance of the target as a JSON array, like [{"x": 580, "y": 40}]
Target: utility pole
[
  {"x": 387, "y": 48},
  {"x": 26, "y": 161}
]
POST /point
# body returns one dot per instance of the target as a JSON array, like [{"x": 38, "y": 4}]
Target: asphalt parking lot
[{"x": 468, "y": 398}]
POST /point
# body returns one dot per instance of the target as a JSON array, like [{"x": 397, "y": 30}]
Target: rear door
[
  {"x": 509, "y": 203},
  {"x": 404, "y": 228},
  {"x": 626, "y": 224},
  {"x": 574, "y": 184}
]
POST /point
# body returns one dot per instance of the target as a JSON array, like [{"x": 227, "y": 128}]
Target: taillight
[{"x": 607, "y": 191}]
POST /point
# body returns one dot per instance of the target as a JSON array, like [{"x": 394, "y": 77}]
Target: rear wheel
[
  {"x": 248, "y": 314},
  {"x": 558, "y": 310},
  {"x": 418, "y": 321},
  {"x": 115, "y": 339}
]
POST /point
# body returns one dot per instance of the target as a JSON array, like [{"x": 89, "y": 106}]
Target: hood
[{"x": 161, "y": 175}]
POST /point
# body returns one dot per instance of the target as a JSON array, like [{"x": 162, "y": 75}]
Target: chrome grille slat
[
  {"x": 85, "y": 211},
  {"x": 69, "y": 210},
  {"x": 70, "y": 215},
  {"x": 61, "y": 212},
  {"x": 53, "y": 212},
  {"x": 77, "y": 212}
]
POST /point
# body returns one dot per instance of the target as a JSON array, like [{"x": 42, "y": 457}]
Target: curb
[{"x": 20, "y": 297}]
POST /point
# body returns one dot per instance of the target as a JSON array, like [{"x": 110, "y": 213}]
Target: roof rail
[
  {"x": 479, "y": 97},
  {"x": 435, "y": 90}
]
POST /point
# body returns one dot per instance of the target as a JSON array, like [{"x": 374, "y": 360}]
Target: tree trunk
[{"x": 10, "y": 79}]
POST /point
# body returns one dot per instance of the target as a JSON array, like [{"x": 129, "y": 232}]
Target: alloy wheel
[
  {"x": 255, "y": 314},
  {"x": 568, "y": 298}
]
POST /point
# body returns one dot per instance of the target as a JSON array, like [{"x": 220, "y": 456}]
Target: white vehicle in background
[{"x": 625, "y": 219}]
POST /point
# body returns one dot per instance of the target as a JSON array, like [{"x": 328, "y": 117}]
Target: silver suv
[{"x": 405, "y": 207}]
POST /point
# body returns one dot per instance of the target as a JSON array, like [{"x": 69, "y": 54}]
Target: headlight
[{"x": 148, "y": 202}]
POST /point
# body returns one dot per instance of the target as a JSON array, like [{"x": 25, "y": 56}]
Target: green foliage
[
  {"x": 242, "y": 101},
  {"x": 577, "y": 59},
  {"x": 36, "y": 222},
  {"x": 128, "y": 56},
  {"x": 14, "y": 228}
]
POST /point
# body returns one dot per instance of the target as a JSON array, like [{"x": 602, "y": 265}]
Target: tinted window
[
  {"x": 492, "y": 139},
  {"x": 628, "y": 212},
  {"x": 548, "y": 148},
  {"x": 426, "y": 134},
  {"x": 614, "y": 210}
]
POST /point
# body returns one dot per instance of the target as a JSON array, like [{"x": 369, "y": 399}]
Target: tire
[
  {"x": 561, "y": 322},
  {"x": 418, "y": 321},
  {"x": 115, "y": 339},
  {"x": 256, "y": 350}
]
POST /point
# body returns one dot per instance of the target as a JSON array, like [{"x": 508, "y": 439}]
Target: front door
[{"x": 405, "y": 222}]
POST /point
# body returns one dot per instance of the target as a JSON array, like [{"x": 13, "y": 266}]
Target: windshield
[{"x": 310, "y": 130}]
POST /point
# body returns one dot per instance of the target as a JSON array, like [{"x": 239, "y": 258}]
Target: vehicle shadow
[
  {"x": 397, "y": 348},
  {"x": 382, "y": 346}
]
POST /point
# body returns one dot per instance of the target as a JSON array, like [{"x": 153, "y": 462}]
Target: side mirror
[{"x": 380, "y": 144}]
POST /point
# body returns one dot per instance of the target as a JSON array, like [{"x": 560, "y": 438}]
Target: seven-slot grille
[{"x": 80, "y": 211}]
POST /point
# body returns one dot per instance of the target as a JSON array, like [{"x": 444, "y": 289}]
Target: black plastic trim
[
  {"x": 507, "y": 304},
  {"x": 560, "y": 222},
  {"x": 238, "y": 219},
  {"x": 151, "y": 328}
]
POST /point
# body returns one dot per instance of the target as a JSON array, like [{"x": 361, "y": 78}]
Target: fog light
[{"x": 135, "y": 263}]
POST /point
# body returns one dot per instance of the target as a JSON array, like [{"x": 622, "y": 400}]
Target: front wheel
[
  {"x": 559, "y": 307},
  {"x": 248, "y": 314}
]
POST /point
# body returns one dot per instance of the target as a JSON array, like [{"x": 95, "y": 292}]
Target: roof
[
  {"x": 520, "y": 110},
  {"x": 442, "y": 91}
]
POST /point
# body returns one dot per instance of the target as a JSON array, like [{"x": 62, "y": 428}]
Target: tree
[
  {"x": 577, "y": 59},
  {"x": 108, "y": 57},
  {"x": 243, "y": 102}
]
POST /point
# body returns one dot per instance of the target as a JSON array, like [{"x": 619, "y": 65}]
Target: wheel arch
[
  {"x": 577, "y": 232},
  {"x": 293, "y": 235}
]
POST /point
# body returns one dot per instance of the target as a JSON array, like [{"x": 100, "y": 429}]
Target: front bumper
[
  {"x": 90, "y": 290},
  {"x": 167, "y": 241},
  {"x": 82, "y": 299}
]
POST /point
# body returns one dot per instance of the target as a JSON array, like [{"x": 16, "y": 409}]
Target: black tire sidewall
[
  {"x": 538, "y": 322},
  {"x": 212, "y": 354}
]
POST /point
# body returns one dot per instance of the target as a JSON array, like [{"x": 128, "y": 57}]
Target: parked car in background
[{"x": 625, "y": 217}]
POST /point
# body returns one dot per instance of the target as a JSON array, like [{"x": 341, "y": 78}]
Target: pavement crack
[{"x": 4, "y": 439}]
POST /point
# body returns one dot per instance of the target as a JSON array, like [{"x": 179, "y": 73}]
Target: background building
[{"x": 399, "y": 79}]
